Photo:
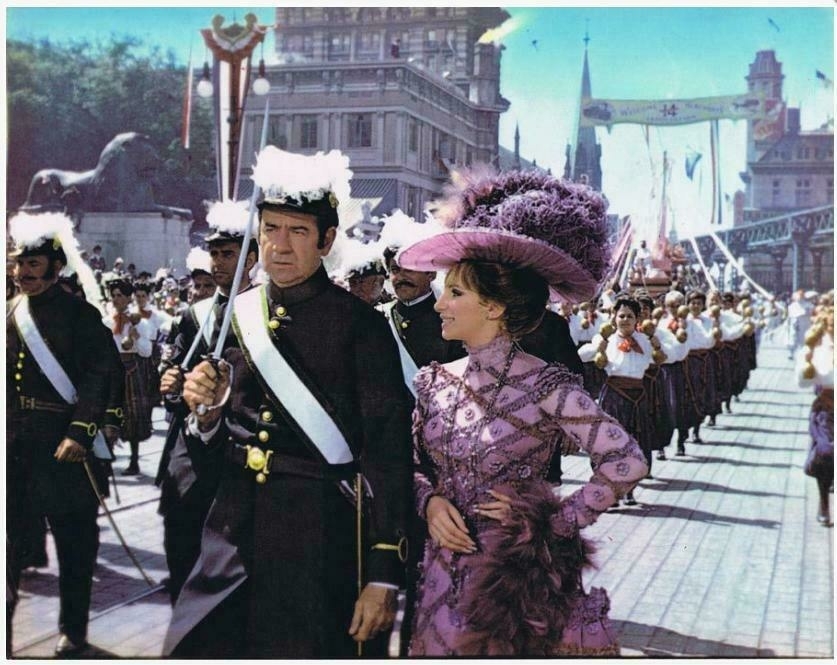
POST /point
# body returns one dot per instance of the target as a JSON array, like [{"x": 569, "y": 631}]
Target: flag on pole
[
  {"x": 692, "y": 158},
  {"x": 827, "y": 82},
  {"x": 186, "y": 122}
]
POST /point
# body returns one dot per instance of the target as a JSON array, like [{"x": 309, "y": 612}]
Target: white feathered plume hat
[
  {"x": 359, "y": 259},
  {"x": 51, "y": 234},
  {"x": 315, "y": 184},
  {"x": 197, "y": 260},
  {"x": 228, "y": 220},
  {"x": 400, "y": 230}
]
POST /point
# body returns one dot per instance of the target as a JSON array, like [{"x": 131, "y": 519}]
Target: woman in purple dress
[{"x": 501, "y": 572}]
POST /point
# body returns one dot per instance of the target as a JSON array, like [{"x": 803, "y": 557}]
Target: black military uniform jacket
[
  {"x": 38, "y": 418},
  {"x": 420, "y": 328},
  {"x": 292, "y": 538}
]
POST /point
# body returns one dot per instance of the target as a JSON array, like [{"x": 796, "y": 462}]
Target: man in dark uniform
[
  {"x": 188, "y": 474},
  {"x": 56, "y": 393},
  {"x": 278, "y": 570},
  {"x": 414, "y": 317}
]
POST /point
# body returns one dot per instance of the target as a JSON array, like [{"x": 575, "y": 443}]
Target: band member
[
  {"x": 56, "y": 394},
  {"x": 671, "y": 381},
  {"x": 731, "y": 326},
  {"x": 585, "y": 321},
  {"x": 315, "y": 396},
  {"x": 187, "y": 474},
  {"x": 815, "y": 367},
  {"x": 627, "y": 355},
  {"x": 132, "y": 336}
]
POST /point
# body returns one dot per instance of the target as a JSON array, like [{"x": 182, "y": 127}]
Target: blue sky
[{"x": 652, "y": 52}]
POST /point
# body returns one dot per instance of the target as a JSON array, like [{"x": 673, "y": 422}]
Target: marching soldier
[
  {"x": 188, "y": 474},
  {"x": 412, "y": 316},
  {"x": 317, "y": 412},
  {"x": 57, "y": 391},
  {"x": 362, "y": 269}
]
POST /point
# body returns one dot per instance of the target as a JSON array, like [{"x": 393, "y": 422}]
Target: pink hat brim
[{"x": 568, "y": 281}]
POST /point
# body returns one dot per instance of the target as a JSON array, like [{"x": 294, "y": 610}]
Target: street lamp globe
[
  {"x": 261, "y": 86},
  {"x": 205, "y": 88}
]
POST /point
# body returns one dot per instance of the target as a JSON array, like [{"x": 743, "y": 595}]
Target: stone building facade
[
  {"x": 789, "y": 177},
  {"x": 406, "y": 92}
]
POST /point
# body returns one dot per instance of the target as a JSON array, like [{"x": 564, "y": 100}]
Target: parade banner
[
  {"x": 671, "y": 111},
  {"x": 772, "y": 126}
]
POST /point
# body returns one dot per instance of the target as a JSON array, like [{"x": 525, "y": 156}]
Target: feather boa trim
[{"x": 525, "y": 594}]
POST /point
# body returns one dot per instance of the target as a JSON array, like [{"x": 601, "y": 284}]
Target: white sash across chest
[
  {"x": 250, "y": 317},
  {"x": 408, "y": 366},
  {"x": 51, "y": 368},
  {"x": 42, "y": 353}
]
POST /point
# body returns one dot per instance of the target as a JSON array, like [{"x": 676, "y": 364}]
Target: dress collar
[{"x": 493, "y": 354}]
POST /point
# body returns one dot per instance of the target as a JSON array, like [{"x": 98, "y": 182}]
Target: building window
[
  {"x": 276, "y": 132},
  {"x": 369, "y": 46},
  {"x": 412, "y": 139},
  {"x": 339, "y": 46},
  {"x": 445, "y": 147},
  {"x": 360, "y": 131},
  {"x": 803, "y": 192},
  {"x": 308, "y": 132},
  {"x": 777, "y": 193},
  {"x": 431, "y": 40}
]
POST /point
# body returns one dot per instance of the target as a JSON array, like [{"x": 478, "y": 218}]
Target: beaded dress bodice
[{"x": 497, "y": 423}]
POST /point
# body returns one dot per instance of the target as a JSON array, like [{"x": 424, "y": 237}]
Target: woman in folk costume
[
  {"x": 132, "y": 336},
  {"x": 585, "y": 321},
  {"x": 815, "y": 367},
  {"x": 501, "y": 573},
  {"x": 627, "y": 356},
  {"x": 661, "y": 412}
]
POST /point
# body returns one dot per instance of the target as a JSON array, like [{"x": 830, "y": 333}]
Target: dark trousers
[
  {"x": 76, "y": 538},
  {"x": 182, "y": 527}
]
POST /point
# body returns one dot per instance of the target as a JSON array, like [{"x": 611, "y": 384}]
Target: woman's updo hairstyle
[{"x": 522, "y": 291}]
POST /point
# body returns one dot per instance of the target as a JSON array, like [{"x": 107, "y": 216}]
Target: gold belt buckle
[{"x": 258, "y": 460}]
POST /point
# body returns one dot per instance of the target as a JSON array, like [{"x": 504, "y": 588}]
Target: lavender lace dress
[{"x": 496, "y": 427}]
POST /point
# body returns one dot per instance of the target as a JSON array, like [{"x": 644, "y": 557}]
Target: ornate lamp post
[{"x": 232, "y": 47}]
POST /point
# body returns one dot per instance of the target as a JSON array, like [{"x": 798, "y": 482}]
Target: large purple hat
[{"x": 525, "y": 219}]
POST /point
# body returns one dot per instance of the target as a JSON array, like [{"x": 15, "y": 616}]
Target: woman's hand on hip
[
  {"x": 446, "y": 526},
  {"x": 499, "y": 510}
]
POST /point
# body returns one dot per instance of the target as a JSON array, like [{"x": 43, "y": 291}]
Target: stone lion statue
[{"x": 121, "y": 182}]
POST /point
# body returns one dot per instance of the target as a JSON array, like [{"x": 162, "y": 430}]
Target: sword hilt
[{"x": 203, "y": 409}]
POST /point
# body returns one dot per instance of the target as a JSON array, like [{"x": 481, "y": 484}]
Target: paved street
[{"x": 723, "y": 556}]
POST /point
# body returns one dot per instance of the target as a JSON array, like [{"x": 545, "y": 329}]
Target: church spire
[
  {"x": 584, "y": 162},
  {"x": 517, "y": 145}
]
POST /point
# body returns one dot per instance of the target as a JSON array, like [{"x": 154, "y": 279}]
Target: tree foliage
[{"x": 67, "y": 101}]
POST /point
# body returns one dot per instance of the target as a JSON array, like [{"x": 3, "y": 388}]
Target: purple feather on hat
[{"x": 568, "y": 216}]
